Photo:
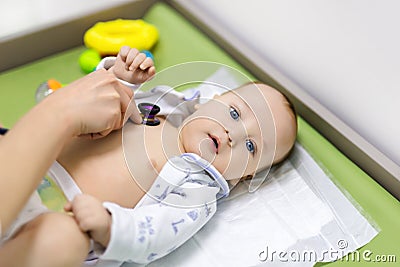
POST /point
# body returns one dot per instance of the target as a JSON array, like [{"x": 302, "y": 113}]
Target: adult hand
[
  {"x": 91, "y": 106},
  {"x": 94, "y": 105}
]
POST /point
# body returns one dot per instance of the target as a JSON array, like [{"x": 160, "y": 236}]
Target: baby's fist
[
  {"x": 133, "y": 66},
  {"x": 91, "y": 217}
]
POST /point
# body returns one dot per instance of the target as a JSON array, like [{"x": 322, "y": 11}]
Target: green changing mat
[{"x": 180, "y": 42}]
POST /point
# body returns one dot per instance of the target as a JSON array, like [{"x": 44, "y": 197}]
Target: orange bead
[{"x": 54, "y": 84}]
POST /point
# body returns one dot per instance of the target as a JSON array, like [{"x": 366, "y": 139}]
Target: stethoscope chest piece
[{"x": 148, "y": 112}]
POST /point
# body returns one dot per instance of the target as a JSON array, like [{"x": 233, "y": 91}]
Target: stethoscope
[
  {"x": 148, "y": 112},
  {"x": 3, "y": 131}
]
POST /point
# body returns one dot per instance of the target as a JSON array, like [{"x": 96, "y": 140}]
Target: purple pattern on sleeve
[
  {"x": 145, "y": 227},
  {"x": 193, "y": 215},
  {"x": 174, "y": 225}
]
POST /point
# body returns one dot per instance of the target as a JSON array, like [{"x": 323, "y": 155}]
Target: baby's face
[{"x": 236, "y": 131}]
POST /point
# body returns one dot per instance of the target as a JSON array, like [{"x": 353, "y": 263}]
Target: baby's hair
[
  {"x": 292, "y": 111},
  {"x": 289, "y": 102}
]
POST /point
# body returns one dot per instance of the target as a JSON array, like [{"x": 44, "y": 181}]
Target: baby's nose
[
  {"x": 228, "y": 139},
  {"x": 234, "y": 136}
]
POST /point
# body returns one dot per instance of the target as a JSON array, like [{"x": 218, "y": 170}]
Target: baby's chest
[{"x": 147, "y": 150}]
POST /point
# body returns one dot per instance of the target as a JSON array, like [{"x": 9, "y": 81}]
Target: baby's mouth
[{"x": 216, "y": 142}]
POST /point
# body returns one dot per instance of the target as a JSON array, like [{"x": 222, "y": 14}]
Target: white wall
[
  {"x": 18, "y": 16},
  {"x": 345, "y": 53}
]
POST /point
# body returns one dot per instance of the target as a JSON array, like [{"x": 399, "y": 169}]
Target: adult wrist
[{"x": 58, "y": 116}]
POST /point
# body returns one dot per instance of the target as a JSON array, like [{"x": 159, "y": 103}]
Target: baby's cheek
[
  {"x": 241, "y": 164},
  {"x": 224, "y": 164}
]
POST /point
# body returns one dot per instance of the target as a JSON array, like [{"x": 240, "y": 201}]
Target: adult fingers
[
  {"x": 128, "y": 107},
  {"x": 125, "y": 98},
  {"x": 133, "y": 113},
  {"x": 126, "y": 94},
  {"x": 68, "y": 207}
]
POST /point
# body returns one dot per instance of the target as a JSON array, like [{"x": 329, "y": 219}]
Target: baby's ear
[
  {"x": 234, "y": 182},
  {"x": 197, "y": 106},
  {"x": 216, "y": 96}
]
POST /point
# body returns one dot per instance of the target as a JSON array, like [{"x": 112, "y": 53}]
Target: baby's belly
[{"x": 122, "y": 190}]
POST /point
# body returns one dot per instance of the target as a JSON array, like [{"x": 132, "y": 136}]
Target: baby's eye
[
  {"x": 250, "y": 146},
  {"x": 234, "y": 114}
]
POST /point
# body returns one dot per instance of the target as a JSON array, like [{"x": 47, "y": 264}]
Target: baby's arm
[
  {"x": 162, "y": 221},
  {"x": 132, "y": 66},
  {"x": 142, "y": 235},
  {"x": 150, "y": 232},
  {"x": 157, "y": 226}
]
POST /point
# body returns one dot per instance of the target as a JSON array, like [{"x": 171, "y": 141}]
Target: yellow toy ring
[{"x": 108, "y": 37}]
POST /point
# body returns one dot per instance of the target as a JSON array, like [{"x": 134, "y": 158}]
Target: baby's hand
[
  {"x": 91, "y": 217},
  {"x": 133, "y": 66}
]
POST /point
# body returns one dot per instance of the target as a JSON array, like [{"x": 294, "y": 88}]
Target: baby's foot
[{"x": 133, "y": 66}]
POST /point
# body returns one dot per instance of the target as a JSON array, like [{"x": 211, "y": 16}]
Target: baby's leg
[{"x": 51, "y": 239}]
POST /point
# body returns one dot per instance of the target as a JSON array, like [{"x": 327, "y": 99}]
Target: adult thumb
[{"x": 133, "y": 113}]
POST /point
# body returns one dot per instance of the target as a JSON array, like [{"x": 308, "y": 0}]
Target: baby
[{"x": 139, "y": 201}]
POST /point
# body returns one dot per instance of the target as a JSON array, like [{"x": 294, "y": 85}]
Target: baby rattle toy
[
  {"x": 47, "y": 88},
  {"x": 108, "y": 37}
]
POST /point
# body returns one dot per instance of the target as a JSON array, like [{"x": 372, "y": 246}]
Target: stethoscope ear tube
[{"x": 3, "y": 131}]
